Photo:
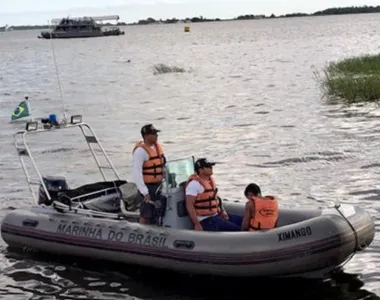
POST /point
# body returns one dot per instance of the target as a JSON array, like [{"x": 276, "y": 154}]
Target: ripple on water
[{"x": 330, "y": 157}]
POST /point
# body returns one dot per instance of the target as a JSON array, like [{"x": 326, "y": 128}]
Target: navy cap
[
  {"x": 149, "y": 129},
  {"x": 203, "y": 163}
]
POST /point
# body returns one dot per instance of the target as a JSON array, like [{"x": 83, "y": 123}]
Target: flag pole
[
  {"x": 29, "y": 108},
  {"x": 57, "y": 73}
]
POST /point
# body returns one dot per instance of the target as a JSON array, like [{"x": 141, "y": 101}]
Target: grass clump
[{"x": 355, "y": 79}]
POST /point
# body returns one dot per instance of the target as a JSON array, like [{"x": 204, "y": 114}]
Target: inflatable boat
[{"x": 100, "y": 221}]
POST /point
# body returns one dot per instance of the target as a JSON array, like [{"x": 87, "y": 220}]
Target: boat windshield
[{"x": 179, "y": 170}]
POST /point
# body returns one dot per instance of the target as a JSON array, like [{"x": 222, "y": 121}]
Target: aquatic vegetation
[
  {"x": 354, "y": 79},
  {"x": 162, "y": 69}
]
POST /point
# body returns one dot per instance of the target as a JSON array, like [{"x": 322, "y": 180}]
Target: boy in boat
[
  {"x": 204, "y": 207},
  {"x": 260, "y": 213}
]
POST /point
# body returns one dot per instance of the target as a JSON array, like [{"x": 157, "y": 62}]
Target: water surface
[{"x": 249, "y": 101}]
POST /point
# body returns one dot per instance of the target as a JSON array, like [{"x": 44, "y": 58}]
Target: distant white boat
[
  {"x": 82, "y": 27},
  {"x": 6, "y": 28}
]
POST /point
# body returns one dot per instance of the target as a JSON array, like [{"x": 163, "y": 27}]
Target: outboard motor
[{"x": 54, "y": 185}]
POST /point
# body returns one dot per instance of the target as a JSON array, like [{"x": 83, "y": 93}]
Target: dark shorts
[
  {"x": 217, "y": 223},
  {"x": 147, "y": 209}
]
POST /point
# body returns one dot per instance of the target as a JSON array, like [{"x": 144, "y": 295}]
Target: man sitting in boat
[
  {"x": 203, "y": 205},
  {"x": 148, "y": 162},
  {"x": 261, "y": 213}
]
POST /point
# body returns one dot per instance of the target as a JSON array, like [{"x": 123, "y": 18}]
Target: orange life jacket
[
  {"x": 206, "y": 203},
  {"x": 153, "y": 171},
  {"x": 266, "y": 213}
]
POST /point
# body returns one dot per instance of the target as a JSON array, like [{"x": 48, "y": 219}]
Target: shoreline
[{"x": 325, "y": 12}]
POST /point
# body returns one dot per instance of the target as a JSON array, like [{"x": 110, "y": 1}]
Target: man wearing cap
[
  {"x": 203, "y": 205},
  {"x": 148, "y": 163}
]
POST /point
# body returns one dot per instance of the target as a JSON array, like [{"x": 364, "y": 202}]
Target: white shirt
[
  {"x": 194, "y": 188},
  {"x": 138, "y": 158}
]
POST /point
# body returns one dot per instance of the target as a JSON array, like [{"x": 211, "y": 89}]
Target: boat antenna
[{"x": 57, "y": 73}]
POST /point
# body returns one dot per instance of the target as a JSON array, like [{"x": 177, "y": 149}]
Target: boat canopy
[{"x": 98, "y": 18}]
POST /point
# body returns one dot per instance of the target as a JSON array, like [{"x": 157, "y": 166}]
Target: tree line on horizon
[{"x": 328, "y": 11}]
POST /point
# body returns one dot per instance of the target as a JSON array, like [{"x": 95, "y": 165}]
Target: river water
[{"x": 249, "y": 99}]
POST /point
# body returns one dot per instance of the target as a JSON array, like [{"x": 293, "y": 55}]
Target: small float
[{"x": 100, "y": 220}]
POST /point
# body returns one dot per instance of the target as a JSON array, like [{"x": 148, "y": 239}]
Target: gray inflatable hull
[{"x": 307, "y": 243}]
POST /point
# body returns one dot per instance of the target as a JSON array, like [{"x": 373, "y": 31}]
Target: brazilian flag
[{"x": 21, "y": 111}]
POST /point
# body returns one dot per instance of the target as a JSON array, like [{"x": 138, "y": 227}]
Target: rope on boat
[
  {"x": 357, "y": 246},
  {"x": 336, "y": 206}
]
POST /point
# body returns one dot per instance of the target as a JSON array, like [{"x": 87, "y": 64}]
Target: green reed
[{"x": 354, "y": 79}]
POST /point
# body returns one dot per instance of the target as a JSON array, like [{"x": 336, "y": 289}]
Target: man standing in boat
[
  {"x": 203, "y": 205},
  {"x": 148, "y": 163},
  {"x": 261, "y": 213}
]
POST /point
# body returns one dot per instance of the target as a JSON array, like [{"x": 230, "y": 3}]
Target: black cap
[
  {"x": 203, "y": 163},
  {"x": 149, "y": 129}
]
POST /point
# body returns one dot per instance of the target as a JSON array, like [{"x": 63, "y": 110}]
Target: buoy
[{"x": 187, "y": 28}]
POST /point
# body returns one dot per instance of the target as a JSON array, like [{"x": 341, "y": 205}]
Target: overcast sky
[{"x": 18, "y": 12}]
